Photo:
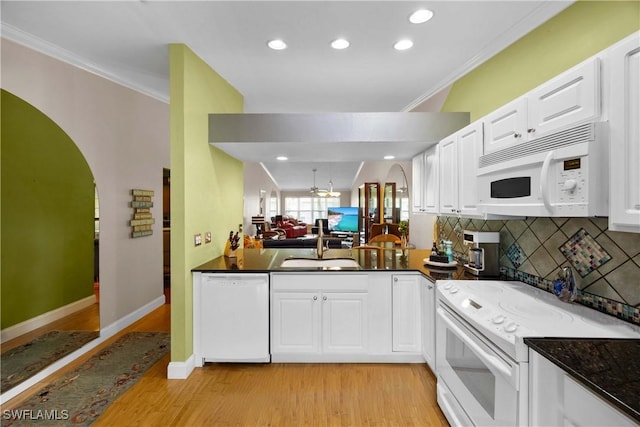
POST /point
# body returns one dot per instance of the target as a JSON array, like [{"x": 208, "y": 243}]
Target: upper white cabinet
[
  {"x": 448, "y": 179},
  {"x": 505, "y": 126},
  {"x": 624, "y": 120},
  {"x": 570, "y": 98},
  {"x": 425, "y": 181},
  {"x": 458, "y": 165}
]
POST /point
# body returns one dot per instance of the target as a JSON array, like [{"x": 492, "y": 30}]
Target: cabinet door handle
[
  {"x": 395, "y": 279},
  {"x": 430, "y": 286},
  {"x": 324, "y": 298},
  {"x": 315, "y": 297},
  {"x": 531, "y": 130},
  {"x": 517, "y": 135}
]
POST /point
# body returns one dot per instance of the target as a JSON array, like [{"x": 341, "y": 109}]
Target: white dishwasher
[{"x": 231, "y": 318}]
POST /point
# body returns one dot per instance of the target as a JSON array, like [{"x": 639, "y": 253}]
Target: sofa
[{"x": 291, "y": 226}]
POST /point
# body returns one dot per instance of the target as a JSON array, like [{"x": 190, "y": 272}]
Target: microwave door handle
[
  {"x": 544, "y": 181},
  {"x": 487, "y": 358}
]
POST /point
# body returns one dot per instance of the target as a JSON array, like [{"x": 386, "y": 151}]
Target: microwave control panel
[{"x": 571, "y": 181}]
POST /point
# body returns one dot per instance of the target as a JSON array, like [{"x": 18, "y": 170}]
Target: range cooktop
[{"x": 505, "y": 312}]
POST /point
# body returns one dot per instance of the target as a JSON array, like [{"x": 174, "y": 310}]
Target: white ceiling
[{"x": 127, "y": 42}]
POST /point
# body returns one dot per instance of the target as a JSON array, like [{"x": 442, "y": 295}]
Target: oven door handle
[{"x": 491, "y": 360}]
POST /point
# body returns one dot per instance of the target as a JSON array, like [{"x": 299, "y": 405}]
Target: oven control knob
[
  {"x": 510, "y": 327},
  {"x": 498, "y": 319},
  {"x": 453, "y": 290},
  {"x": 447, "y": 286}
]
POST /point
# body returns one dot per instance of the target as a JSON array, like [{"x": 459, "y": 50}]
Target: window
[{"x": 309, "y": 209}]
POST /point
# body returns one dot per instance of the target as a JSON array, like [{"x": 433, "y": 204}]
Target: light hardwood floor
[{"x": 272, "y": 394}]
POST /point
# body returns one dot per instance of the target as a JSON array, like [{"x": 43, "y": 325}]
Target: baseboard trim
[
  {"x": 132, "y": 317},
  {"x": 45, "y": 318},
  {"x": 348, "y": 358},
  {"x": 105, "y": 334},
  {"x": 181, "y": 370}
]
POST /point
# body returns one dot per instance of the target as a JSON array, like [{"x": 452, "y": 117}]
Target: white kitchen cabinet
[
  {"x": 458, "y": 186},
  {"x": 505, "y": 126},
  {"x": 624, "y": 120},
  {"x": 318, "y": 315},
  {"x": 425, "y": 181},
  {"x": 449, "y": 175},
  {"x": 556, "y": 399},
  {"x": 344, "y": 322},
  {"x": 428, "y": 295},
  {"x": 406, "y": 318},
  {"x": 570, "y": 98},
  {"x": 295, "y": 325},
  {"x": 418, "y": 168}
]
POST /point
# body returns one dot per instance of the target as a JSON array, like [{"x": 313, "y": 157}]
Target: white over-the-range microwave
[{"x": 563, "y": 174}]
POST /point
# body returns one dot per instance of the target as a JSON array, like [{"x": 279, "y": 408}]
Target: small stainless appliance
[{"x": 483, "y": 253}]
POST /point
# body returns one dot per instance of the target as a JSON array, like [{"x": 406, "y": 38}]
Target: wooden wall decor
[{"x": 142, "y": 219}]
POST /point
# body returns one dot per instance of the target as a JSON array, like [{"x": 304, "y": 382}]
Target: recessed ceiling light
[
  {"x": 420, "y": 16},
  {"x": 403, "y": 44},
  {"x": 277, "y": 44},
  {"x": 340, "y": 44},
  {"x": 389, "y": 157},
  {"x": 282, "y": 158}
]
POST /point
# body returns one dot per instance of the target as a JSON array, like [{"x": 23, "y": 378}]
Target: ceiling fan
[{"x": 321, "y": 192}]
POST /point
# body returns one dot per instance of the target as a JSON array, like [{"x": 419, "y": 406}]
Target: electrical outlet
[
  {"x": 197, "y": 239},
  {"x": 239, "y": 228},
  {"x": 207, "y": 237}
]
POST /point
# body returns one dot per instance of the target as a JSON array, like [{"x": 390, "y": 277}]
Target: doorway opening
[{"x": 166, "y": 233}]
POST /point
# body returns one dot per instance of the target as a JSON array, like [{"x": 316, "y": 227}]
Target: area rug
[
  {"x": 26, "y": 360},
  {"x": 80, "y": 396}
]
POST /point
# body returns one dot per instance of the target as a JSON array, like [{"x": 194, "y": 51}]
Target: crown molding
[
  {"x": 23, "y": 38},
  {"x": 537, "y": 17}
]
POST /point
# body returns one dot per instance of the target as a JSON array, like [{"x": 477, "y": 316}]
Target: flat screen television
[{"x": 343, "y": 219}]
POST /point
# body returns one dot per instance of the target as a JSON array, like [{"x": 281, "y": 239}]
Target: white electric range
[{"x": 481, "y": 357}]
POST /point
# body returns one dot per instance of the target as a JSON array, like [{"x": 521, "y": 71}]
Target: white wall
[
  {"x": 256, "y": 179},
  {"x": 124, "y": 137}
]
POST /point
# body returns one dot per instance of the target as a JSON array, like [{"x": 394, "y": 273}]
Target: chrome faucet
[{"x": 320, "y": 243}]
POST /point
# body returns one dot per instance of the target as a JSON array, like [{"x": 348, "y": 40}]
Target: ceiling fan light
[
  {"x": 403, "y": 44},
  {"x": 420, "y": 16},
  {"x": 340, "y": 44},
  {"x": 277, "y": 44}
]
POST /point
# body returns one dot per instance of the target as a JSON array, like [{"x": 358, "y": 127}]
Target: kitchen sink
[{"x": 319, "y": 263}]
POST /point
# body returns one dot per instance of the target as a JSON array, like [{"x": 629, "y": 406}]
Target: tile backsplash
[{"x": 534, "y": 250}]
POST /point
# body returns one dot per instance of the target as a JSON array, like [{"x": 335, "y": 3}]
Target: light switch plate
[
  {"x": 207, "y": 237},
  {"x": 197, "y": 239}
]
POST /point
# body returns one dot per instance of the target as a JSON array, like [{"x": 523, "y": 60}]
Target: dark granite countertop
[
  {"x": 383, "y": 259},
  {"x": 609, "y": 367}
]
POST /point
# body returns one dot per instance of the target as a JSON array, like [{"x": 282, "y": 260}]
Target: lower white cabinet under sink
[{"x": 345, "y": 317}]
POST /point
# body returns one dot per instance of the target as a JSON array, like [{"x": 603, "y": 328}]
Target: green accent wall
[
  {"x": 206, "y": 184},
  {"x": 47, "y": 215},
  {"x": 577, "y": 33}
]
